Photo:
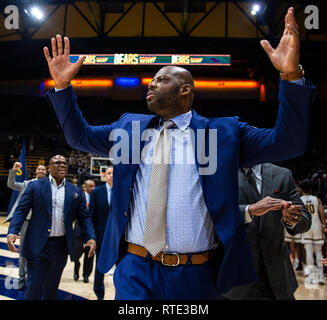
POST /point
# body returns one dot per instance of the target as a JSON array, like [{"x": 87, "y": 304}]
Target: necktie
[
  {"x": 250, "y": 176},
  {"x": 156, "y": 215}
]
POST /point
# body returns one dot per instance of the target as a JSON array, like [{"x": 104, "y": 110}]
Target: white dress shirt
[
  {"x": 108, "y": 192},
  {"x": 87, "y": 197},
  {"x": 258, "y": 181},
  {"x": 58, "y": 201}
]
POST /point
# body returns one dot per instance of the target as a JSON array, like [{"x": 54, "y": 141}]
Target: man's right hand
[
  {"x": 17, "y": 166},
  {"x": 11, "y": 238},
  {"x": 61, "y": 69},
  {"x": 267, "y": 204}
]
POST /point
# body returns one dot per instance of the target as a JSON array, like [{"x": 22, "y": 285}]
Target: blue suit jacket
[
  {"x": 99, "y": 210},
  {"x": 38, "y": 196},
  {"x": 239, "y": 145}
]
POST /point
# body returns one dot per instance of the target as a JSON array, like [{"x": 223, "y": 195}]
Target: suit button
[
  {"x": 49, "y": 230},
  {"x": 125, "y": 213}
]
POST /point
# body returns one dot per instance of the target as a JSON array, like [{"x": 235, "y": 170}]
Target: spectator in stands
[
  {"x": 41, "y": 161},
  {"x": 10, "y": 162},
  {"x": 75, "y": 181}
]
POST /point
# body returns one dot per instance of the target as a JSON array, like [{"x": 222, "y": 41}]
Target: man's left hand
[
  {"x": 286, "y": 56},
  {"x": 92, "y": 244},
  {"x": 292, "y": 215}
]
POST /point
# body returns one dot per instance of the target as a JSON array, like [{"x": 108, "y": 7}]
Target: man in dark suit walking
[
  {"x": 55, "y": 203},
  {"x": 79, "y": 241},
  {"x": 100, "y": 207},
  {"x": 264, "y": 190}
]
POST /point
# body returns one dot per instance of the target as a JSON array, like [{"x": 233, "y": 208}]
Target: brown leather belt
[{"x": 171, "y": 259}]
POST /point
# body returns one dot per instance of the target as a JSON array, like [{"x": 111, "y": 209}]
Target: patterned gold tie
[{"x": 156, "y": 215}]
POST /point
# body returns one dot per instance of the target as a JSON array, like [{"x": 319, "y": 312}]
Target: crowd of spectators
[{"x": 312, "y": 165}]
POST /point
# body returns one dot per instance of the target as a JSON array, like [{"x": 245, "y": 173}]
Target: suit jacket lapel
[
  {"x": 105, "y": 196},
  {"x": 47, "y": 196},
  {"x": 69, "y": 190},
  {"x": 251, "y": 195},
  {"x": 266, "y": 187},
  {"x": 198, "y": 122},
  {"x": 266, "y": 174},
  {"x": 135, "y": 142}
]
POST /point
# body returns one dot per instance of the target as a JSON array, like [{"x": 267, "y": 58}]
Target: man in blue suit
[
  {"x": 100, "y": 207},
  {"x": 205, "y": 251},
  {"x": 55, "y": 203}
]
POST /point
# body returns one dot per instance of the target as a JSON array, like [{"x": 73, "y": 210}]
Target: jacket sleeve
[
  {"x": 289, "y": 136},
  {"x": 84, "y": 219},
  {"x": 79, "y": 134},
  {"x": 247, "y": 217},
  {"x": 22, "y": 210},
  {"x": 305, "y": 223},
  {"x": 12, "y": 184}
]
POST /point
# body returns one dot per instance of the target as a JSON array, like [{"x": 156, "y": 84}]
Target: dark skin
[
  {"x": 57, "y": 168},
  {"x": 89, "y": 185},
  {"x": 291, "y": 213}
]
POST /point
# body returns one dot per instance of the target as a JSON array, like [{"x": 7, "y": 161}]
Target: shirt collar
[
  {"x": 108, "y": 187},
  {"x": 52, "y": 180},
  {"x": 182, "y": 121},
  {"x": 256, "y": 169}
]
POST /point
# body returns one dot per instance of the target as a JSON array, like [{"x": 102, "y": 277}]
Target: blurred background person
[
  {"x": 49, "y": 235},
  {"x": 41, "y": 172},
  {"x": 314, "y": 238},
  {"x": 79, "y": 241},
  {"x": 100, "y": 207}
]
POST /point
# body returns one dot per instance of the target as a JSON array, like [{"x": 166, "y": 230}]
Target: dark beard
[{"x": 163, "y": 102}]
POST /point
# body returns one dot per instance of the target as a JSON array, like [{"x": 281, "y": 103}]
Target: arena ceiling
[{"x": 190, "y": 26}]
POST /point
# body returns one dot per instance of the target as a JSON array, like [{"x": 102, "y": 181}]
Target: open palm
[
  {"x": 61, "y": 69},
  {"x": 285, "y": 58}
]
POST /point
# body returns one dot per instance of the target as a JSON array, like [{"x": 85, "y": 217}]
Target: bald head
[
  {"x": 182, "y": 74},
  {"x": 171, "y": 92},
  {"x": 89, "y": 186}
]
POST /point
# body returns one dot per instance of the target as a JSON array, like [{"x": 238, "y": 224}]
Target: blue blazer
[
  {"x": 238, "y": 145},
  {"x": 99, "y": 209},
  {"x": 38, "y": 196}
]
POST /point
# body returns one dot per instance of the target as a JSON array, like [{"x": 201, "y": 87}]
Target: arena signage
[{"x": 154, "y": 59}]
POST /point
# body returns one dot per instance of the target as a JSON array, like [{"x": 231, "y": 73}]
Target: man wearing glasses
[{"x": 55, "y": 203}]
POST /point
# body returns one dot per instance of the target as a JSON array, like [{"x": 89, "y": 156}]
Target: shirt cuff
[
  {"x": 247, "y": 216},
  {"x": 287, "y": 225},
  {"x": 56, "y": 90}
]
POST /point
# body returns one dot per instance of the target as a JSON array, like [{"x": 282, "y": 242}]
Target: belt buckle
[{"x": 170, "y": 265}]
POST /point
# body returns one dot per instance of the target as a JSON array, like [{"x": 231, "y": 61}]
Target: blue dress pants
[
  {"x": 44, "y": 271},
  {"x": 98, "y": 285},
  {"x": 138, "y": 278}
]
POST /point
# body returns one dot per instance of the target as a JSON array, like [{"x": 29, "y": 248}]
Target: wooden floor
[{"x": 70, "y": 289}]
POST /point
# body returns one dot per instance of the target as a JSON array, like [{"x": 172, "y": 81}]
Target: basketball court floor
[{"x": 69, "y": 289}]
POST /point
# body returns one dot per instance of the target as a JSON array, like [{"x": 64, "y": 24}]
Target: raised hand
[
  {"x": 17, "y": 166},
  {"x": 61, "y": 69},
  {"x": 285, "y": 58}
]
